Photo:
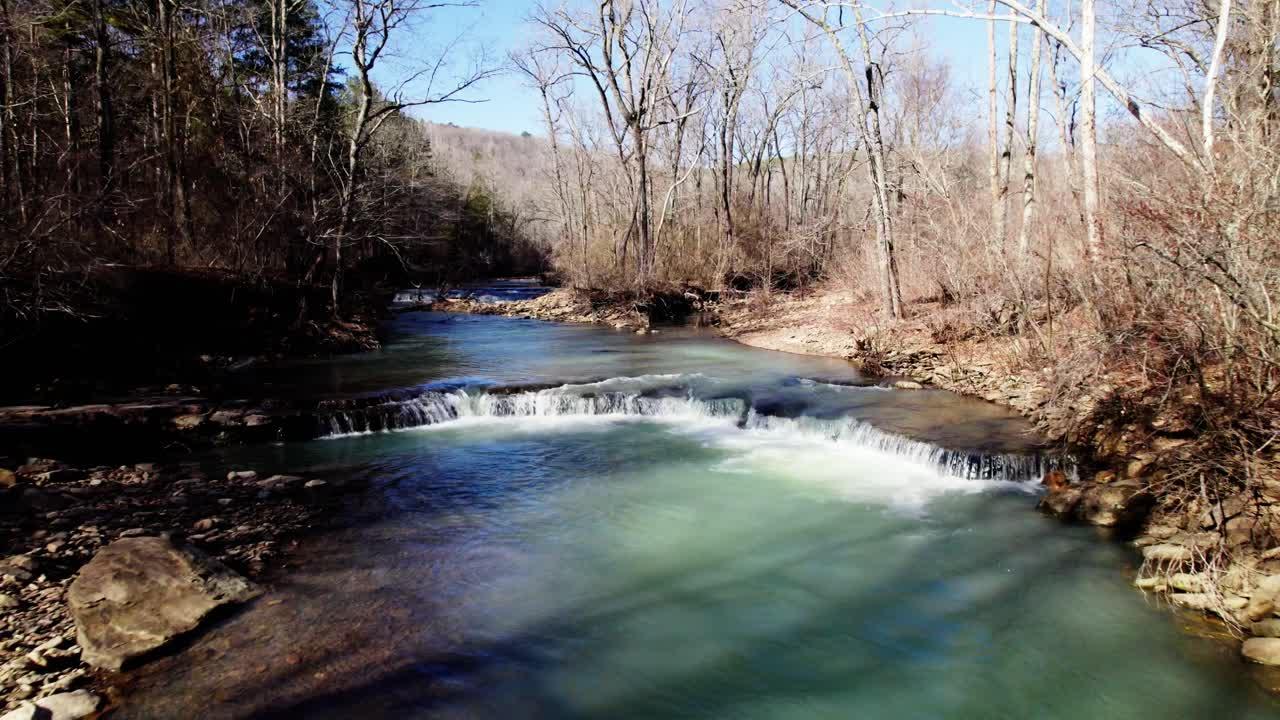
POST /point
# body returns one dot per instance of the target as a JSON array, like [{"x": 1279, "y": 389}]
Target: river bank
[
  {"x": 1217, "y": 553},
  {"x": 56, "y": 517},
  {"x": 639, "y": 381}
]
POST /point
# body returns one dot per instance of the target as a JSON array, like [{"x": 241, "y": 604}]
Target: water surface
[{"x": 680, "y": 563}]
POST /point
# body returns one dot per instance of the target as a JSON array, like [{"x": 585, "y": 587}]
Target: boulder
[
  {"x": 137, "y": 594},
  {"x": 1262, "y": 600},
  {"x": 1062, "y": 503},
  {"x": 64, "y": 706},
  {"x": 7, "y": 478},
  {"x": 1188, "y": 582},
  {"x": 1266, "y": 628},
  {"x": 1263, "y": 650},
  {"x": 1117, "y": 505},
  {"x": 1167, "y": 553}
]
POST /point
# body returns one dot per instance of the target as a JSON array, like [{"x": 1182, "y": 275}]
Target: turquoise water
[{"x": 681, "y": 564}]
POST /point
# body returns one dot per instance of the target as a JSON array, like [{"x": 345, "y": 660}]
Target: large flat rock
[{"x": 138, "y": 594}]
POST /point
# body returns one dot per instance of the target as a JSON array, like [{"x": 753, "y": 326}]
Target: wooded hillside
[{"x": 247, "y": 136}]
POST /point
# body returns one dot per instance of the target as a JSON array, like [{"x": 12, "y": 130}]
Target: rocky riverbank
[
  {"x": 56, "y": 518},
  {"x": 1213, "y": 553}
]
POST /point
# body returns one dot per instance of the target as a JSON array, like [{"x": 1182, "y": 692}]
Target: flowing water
[{"x": 573, "y": 522}]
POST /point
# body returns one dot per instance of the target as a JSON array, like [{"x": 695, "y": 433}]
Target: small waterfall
[
  {"x": 393, "y": 412},
  {"x": 338, "y": 419},
  {"x": 556, "y": 403},
  {"x": 620, "y": 397},
  {"x": 967, "y": 464}
]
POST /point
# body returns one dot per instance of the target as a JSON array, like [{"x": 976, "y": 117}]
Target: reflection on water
[{"x": 618, "y": 567}]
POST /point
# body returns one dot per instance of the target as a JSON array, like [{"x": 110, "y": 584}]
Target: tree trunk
[
  {"x": 1033, "y": 128},
  {"x": 1001, "y": 208},
  {"x": 888, "y": 256},
  {"x": 1088, "y": 134},
  {"x": 993, "y": 127},
  {"x": 103, "y": 109}
]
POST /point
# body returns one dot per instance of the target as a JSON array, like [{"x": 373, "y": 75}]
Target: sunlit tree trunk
[{"x": 1033, "y": 129}]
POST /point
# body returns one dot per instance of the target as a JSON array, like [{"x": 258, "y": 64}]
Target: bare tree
[
  {"x": 1033, "y": 140},
  {"x": 373, "y": 25}
]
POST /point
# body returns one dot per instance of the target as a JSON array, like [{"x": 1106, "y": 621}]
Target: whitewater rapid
[{"x": 689, "y": 400}]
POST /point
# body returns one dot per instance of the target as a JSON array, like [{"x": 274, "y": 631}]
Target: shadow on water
[
  {"x": 371, "y": 627},
  {"x": 596, "y": 569}
]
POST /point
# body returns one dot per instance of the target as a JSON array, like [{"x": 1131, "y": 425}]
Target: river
[{"x": 576, "y": 522}]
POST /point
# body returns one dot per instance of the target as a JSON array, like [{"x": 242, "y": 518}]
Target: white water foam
[{"x": 760, "y": 431}]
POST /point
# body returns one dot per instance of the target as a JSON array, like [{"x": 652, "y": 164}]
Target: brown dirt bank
[{"x": 1158, "y": 467}]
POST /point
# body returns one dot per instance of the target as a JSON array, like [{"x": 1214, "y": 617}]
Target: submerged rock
[{"x": 137, "y": 594}]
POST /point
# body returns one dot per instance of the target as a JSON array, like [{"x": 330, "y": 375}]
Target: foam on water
[{"x": 734, "y": 422}]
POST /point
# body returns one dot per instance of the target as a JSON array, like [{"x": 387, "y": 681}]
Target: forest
[
  {"x": 244, "y": 138},
  {"x": 1109, "y": 198}
]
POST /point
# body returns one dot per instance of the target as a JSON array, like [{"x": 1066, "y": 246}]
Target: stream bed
[{"x": 575, "y": 522}]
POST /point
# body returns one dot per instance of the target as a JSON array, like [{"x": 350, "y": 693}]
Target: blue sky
[{"x": 498, "y": 26}]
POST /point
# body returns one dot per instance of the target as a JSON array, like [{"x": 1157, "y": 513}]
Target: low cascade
[
  {"x": 967, "y": 464},
  {"x": 405, "y": 411},
  {"x": 384, "y": 414},
  {"x": 553, "y": 403},
  {"x": 432, "y": 408}
]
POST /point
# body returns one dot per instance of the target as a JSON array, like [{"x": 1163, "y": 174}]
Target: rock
[
  {"x": 58, "y": 475},
  {"x": 1262, "y": 650},
  {"x": 1193, "y": 601},
  {"x": 281, "y": 482},
  {"x": 1167, "y": 553},
  {"x": 1055, "y": 480},
  {"x": 1266, "y": 628},
  {"x": 1188, "y": 582},
  {"x": 905, "y": 385},
  {"x": 64, "y": 706},
  {"x": 188, "y": 422},
  {"x": 1063, "y": 503},
  {"x": 1115, "y": 505},
  {"x": 137, "y": 594},
  {"x": 246, "y": 475},
  {"x": 1262, "y": 600},
  {"x": 7, "y": 479},
  {"x": 8, "y": 601},
  {"x": 1149, "y": 583},
  {"x": 204, "y": 525},
  {"x": 19, "y": 567},
  {"x": 36, "y": 466},
  {"x": 1221, "y": 512}
]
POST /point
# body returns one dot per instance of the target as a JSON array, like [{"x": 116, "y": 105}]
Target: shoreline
[
  {"x": 59, "y": 517},
  {"x": 82, "y": 515}
]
